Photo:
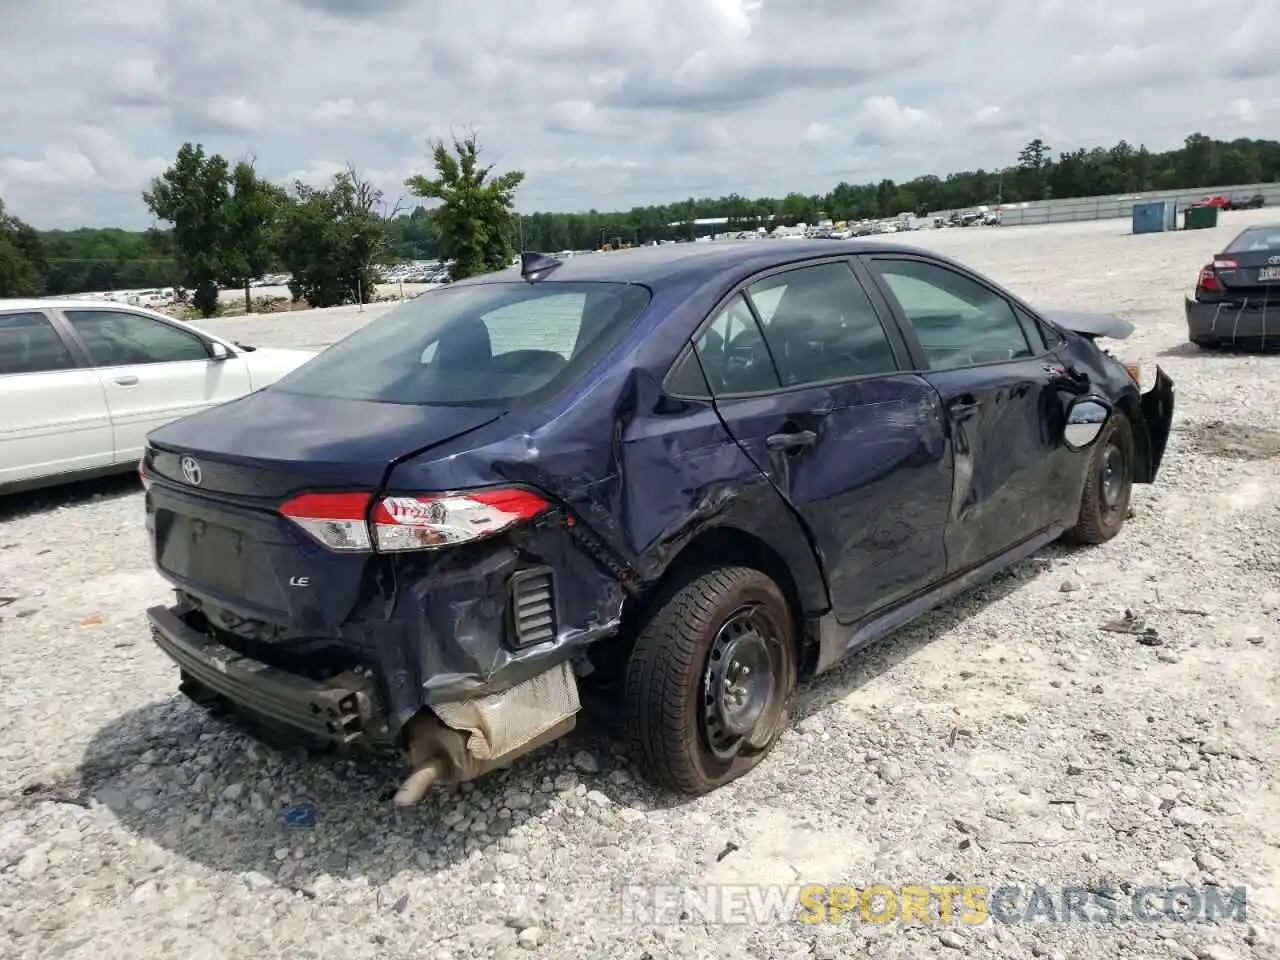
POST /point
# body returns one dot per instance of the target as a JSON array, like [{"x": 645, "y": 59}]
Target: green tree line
[{"x": 227, "y": 225}]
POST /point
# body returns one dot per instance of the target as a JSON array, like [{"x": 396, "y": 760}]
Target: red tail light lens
[
  {"x": 1225, "y": 265},
  {"x": 1208, "y": 280},
  {"x": 142, "y": 474},
  {"x": 336, "y": 520},
  {"x": 403, "y": 523}
]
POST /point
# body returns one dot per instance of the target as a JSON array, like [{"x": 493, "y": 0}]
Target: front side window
[
  {"x": 821, "y": 325},
  {"x": 30, "y": 344},
  {"x": 116, "y": 338},
  {"x": 958, "y": 321},
  {"x": 487, "y": 344}
]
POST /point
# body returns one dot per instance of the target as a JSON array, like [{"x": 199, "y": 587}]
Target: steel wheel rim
[
  {"x": 1112, "y": 476},
  {"x": 741, "y": 692}
]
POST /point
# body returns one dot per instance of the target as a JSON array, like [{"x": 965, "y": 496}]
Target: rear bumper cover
[
  {"x": 1157, "y": 413},
  {"x": 330, "y": 711},
  {"x": 1227, "y": 323}
]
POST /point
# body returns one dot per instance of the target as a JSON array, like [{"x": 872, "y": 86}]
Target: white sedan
[{"x": 82, "y": 383}]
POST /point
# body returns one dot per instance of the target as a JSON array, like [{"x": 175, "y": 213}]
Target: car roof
[
  {"x": 697, "y": 261},
  {"x": 79, "y": 303},
  {"x": 65, "y": 303}
]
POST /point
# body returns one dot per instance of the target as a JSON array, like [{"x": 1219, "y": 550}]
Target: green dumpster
[{"x": 1199, "y": 218}]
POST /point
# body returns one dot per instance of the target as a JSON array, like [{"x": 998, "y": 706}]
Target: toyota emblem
[{"x": 191, "y": 471}]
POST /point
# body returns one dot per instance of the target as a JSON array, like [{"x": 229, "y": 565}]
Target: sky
[{"x": 604, "y": 105}]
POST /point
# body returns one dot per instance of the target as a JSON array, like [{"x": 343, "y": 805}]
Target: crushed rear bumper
[
  {"x": 336, "y": 711},
  {"x": 1246, "y": 324}
]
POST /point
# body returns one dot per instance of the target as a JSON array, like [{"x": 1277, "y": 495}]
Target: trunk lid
[
  {"x": 1252, "y": 274},
  {"x": 217, "y": 532},
  {"x": 269, "y": 445}
]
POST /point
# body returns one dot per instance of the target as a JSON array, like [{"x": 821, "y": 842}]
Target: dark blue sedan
[{"x": 676, "y": 480}]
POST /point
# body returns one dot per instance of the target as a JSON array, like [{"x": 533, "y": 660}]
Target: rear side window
[
  {"x": 30, "y": 344},
  {"x": 821, "y": 326},
  {"x": 487, "y": 344},
  {"x": 1256, "y": 240},
  {"x": 958, "y": 321},
  {"x": 116, "y": 338},
  {"x": 733, "y": 354}
]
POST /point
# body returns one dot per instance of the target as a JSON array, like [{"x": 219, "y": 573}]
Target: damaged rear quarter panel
[{"x": 642, "y": 473}]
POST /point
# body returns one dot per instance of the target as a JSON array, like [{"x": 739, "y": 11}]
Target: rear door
[
  {"x": 990, "y": 364},
  {"x": 153, "y": 372},
  {"x": 53, "y": 413},
  {"x": 817, "y": 392}
]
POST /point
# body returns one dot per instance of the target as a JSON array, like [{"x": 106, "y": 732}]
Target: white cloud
[
  {"x": 604, "y": 105},
  {"x": 346, "y": 110},
  {"x": 1243, "y": 110},
  {"x": 884, "y": 121},
  {"x": 92, "y": 157},
  {"x": 819, "y": 133},
  {"x": 232, "y": 114}
]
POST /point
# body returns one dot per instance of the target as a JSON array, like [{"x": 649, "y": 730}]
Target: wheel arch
[{"x": 729, "y": 545}]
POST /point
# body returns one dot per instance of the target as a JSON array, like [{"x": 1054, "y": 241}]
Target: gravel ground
[{"x": 1005, "y": 739}]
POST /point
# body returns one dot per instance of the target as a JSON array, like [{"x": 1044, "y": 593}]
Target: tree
[
  {"x": 193, "y": 195},
  {"x": 22, "y": 258},
  {"x": 475, "y": 213},
  {"x": 251, "y": 218},
  {"x": 103, "y": 259},
  {"x": 330, "y": 240},
  {"x": 1034, "y": 164}
]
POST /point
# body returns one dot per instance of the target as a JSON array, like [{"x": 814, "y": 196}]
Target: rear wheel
[
  {"x": 1108, "y": 486},
  {"x": 710, "y": 680}
]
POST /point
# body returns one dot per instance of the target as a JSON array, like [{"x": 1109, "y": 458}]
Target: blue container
[{"x": 1155, "y": 217}]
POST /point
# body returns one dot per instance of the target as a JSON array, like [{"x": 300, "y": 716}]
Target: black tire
[
  {"x": 1099, "y": 519},
  {"x": 665, "y": 698}
]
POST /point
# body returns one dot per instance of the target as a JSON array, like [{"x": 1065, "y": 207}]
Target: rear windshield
[
  {"x": 1256, "y": 239},
  {"x": 475, "y": 344}
]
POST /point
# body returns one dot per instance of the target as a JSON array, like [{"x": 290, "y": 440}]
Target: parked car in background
[
  {"x": 1221, "y": 201},
  {"x": 674, "y": 482},
  {"x": 1255, "y": 202},
  {"x": 1236, "y": 301},
  {"x": 82, "y": 382}
]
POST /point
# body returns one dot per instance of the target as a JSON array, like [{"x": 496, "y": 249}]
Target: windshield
[
  {"x": 474, "y": 344},
  {"x": 1256, "y": 239}
]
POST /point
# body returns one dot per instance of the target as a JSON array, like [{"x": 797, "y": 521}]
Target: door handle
[
  {"x": 790, "y": 441},
  {"x": 964, "y": 408},
  {"x": 128, "y": 381}
]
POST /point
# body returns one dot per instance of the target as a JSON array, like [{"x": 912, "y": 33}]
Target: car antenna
[{"x": 535, "y": 266}]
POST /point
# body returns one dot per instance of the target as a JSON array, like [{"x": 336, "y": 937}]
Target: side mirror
[
  {"x": 218, "y": 351},
  {"x": 1086, "y": 416}
]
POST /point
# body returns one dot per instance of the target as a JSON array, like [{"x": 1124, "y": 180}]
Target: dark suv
[{"x": 680, "y": 477}]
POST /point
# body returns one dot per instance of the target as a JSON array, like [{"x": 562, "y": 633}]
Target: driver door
[
  {"x": 996, "y": 378},
  {"x": 153, "y": 372}
]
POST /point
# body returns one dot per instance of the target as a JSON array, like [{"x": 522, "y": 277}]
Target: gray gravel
[{"x": 1003, "y": 739}]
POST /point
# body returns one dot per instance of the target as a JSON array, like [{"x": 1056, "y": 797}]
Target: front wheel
[
  {"x": 710, "y": 680},
  {"x": 1108, "y": 486}
]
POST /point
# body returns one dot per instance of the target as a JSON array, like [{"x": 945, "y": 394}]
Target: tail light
[
  {"x": 353, "y": 523},
  {"x": 1225, "y": 265},
  {"x": 1208, "y": 280},
  {"x": 1135, "y": 372},
  {"x": 142, "y": 474}
]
